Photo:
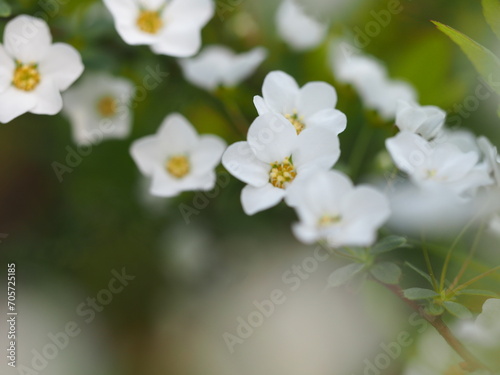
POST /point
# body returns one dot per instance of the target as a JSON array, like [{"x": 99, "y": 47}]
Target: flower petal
[
  {"x": 177, "y": 135},
  {"x": 63, "y": 65},
  {"x": 280, "y": 92},
  {"x": 146, "y": 154},
  {"x": 331, "y": 119},
  {"x": 49, "y": 100},
  {"x": 7, "y": 67},
  {"x": 260, "y": 105},
  {"x": 194, "y": 13},
  {"x": 207, "y": 154},
  {"x": 314, "y": 97},
  {"x": 305, "y": 233},
  {"x": 243, "y": 65},
  {"x": 27, "y": 39},
  {"x": 178, "y": 40},
  {"x": 241, "y": 162},
  {"x": 14, "y": 103},
  {"x": 256, "y": 199},
  {"x": 317, "y": 147},
  {"x": 272, "y": 137}
]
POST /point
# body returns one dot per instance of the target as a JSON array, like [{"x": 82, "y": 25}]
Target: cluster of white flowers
[
  {"x": 370, "y": 79},
  {"x": 290, "y": 150}
]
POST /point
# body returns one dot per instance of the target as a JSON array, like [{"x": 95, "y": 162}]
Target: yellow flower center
[
  {"x": 327, "y": 220},
  {"x": 26, "y": 77},
  {"x": 282, "y": 173},
  {"x": 297, "y": 122},
  {"x": 107, "y": 106},
  {"x": 149, "y": 21},
  {"x": 178, "y": 166}
]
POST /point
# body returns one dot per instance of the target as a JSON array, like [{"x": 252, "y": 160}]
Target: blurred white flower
[
  {"x": 33, "y": 71},
  {"x": 298, "y": 29},
  {"x": 219, "y": 66},
  {"x": 177, "y": 158},
  {"x": 426, "y": 121},
  {"x": 330, "y": 208},
  {"x": 490, "y": 153},
  {"x": 437, "y": 166},
  {"x": 370, "y": 79},
  {"x": 275, "y": 157},
  {"x": 98, "y": 108},
  {"x": 169, "y": 27},
  {"x": 305, "y": 107}
]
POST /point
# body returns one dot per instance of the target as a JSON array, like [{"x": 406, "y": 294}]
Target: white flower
[
  {"x": 305, "y": 107},
  {"x": 330, "y": 208},
  {"x": 177, "y": 158},
  {"x": 426, "y": 121},
  {"x": 436, "y": 166},
  {"x": 274, "y": 158},
  {"x": 370, "y": 79},
  {"x": 169, "y": 27},
  {"x": 491, "y": 156},
  {"x": 298, "y": 29},
  {"x": 219, "y": 66},
  {"x": 98, "y": 108},
  {"x": 33, "y": 71}
]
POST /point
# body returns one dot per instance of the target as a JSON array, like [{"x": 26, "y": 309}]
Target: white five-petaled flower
[
  {"x": 305, "y": 107},
  {"x": 219, "y": 66},
  {"x": 426, "y": 121},
  {"x": 330, "y": 208},
  {"x": 438, "y": 165},
  {"x": 177, "y": 158},
  {"x": 170, "y": 27},
  {"x": 98, "y": 108},
  {"x": 298, "y": 29},
  {"x": 275, "y": 157},
  {"x": 33, "y": 71},
  {"x": 370, "y": 79}
]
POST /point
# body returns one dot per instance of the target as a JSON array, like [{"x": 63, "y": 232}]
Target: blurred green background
[{"x": 99, "y": 217}]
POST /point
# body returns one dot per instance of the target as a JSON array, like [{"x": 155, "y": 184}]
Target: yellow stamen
[
  {"x": 327, "y": 220},
  {"x": 26, "y": 77},
  {"x": 282, "y": 174},
  {"x": 297, "y": 122},
  {"x": 178, "y": 166},
  {"x": 149, "y": 21},
  {"x": 107, "y": 106}
]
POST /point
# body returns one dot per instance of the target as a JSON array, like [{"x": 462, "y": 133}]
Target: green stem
[
  {"x": 428, "y": 263},
  {"x": 475, "y": 279},
  {"x": 468, "y": 261}
]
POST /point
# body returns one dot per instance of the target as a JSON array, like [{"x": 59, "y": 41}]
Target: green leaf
[
  {"x": 5, "y": 9},
  {"x": 485, "y": 61},
  {"x": 344, "y": 274},
  {"x": 419, "y": 271},
  {"x": 491, "y": 10},
  {"x": 457, "y": 309},
  {"x": 419, "y": 293},
  {"x": 388, "y": 273},
  {"x": 389, "y": 243},
  {"x": 477, "y": 292}
]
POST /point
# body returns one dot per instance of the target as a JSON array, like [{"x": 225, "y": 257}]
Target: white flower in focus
[
  {"x": 169, "y": 27},
  {"x": 370, "y": 79},
  {"x": 219, "y": 66},
  {"x": 33, "y": 71},
  {"x": 298, "y": 29},
  {"x": 177, "y": 158},
  {"x": 330, "y": 208},
  {"x": 305, "y": 107},
  {"x": 275, "y": 157},
  {"x": 437, "y": 166},
  {"x": 426, "y": 121},
  {"x": 98, "y": 108}
]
